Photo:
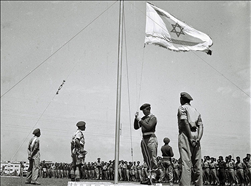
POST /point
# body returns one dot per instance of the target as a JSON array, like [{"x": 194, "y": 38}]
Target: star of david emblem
[{"x": 175, "y": 31}]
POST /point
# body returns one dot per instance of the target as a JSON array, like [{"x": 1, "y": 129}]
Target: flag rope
[{"x": 128, "y": 87}]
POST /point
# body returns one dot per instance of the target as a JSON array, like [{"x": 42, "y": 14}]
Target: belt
[
  {"x": 166, "y": 157},
  {"x": 147, "y": 133}
]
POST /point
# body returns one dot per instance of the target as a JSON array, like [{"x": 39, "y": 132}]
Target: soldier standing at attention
[
  {"x": 190, "y": 133},
  {"x": 167, "y": 154},
  {"x": 149, "y": 143},
  {"x": 77, "y": 151},
  {"x": 34, "y": 158}
]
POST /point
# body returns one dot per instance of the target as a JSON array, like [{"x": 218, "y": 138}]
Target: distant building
[{"x": 12, "y": 168}]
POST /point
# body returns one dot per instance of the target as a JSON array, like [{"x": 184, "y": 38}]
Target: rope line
[
  {"x": 222, "y": 75},
  {"x": 60, "y": 85},
  {"x": 33, "y": 128},
  {"x": 200, "y": 58},
  {"x": 58, "y": 50}
]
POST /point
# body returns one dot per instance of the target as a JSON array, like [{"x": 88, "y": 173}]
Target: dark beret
[
  {"x": 166, "y": 140},
  {"x": 144, "y": 106},
  {"x": 36, "y": 131},
  {"x": 80, "y": 124},
  {"x": 185, "y": 95}
]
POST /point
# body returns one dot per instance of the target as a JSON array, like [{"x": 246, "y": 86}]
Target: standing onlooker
[
  {"x": 21, "y": 169},
  {"x": 149, "y": 143},
  {"x": 167, "y": 154},
  {"x": 34, "y": 158},
  {"x": 190, "y": 133},
  {"x": 77, "y": 151}
]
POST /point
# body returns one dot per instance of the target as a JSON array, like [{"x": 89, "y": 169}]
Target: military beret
[
  {"x": 36, "y": 131},
  {"x": 166, "y": 140},
  {"x": 185, "y": 95},
  {"x": 80, "y": 124},
  {"x": 144, "y": 106}
]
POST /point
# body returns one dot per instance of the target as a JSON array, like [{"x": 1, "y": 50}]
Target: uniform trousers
[
  {"x": 32, "y": 174},
  {"x": 191, "y": 157},
  {"x": 149, "y": 147}
]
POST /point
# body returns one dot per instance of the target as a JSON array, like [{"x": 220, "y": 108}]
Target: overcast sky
[{"x": 44, "y": 43}]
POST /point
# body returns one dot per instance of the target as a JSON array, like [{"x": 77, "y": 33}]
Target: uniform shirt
[
  {"x": 151, "y": 120},
  {"x": 249, "y": 163},
  {"x": 167, "y": 151},
  {"x": 80, "y": 136},
  {"x": 189, "y": 113},
  {"x": 239, "y": 165},
  {"x": 34, "y": 146},
  {"x": 222, "y": 165}
]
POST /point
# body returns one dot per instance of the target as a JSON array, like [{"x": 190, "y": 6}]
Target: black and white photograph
[{"x": 106, "y": 93}]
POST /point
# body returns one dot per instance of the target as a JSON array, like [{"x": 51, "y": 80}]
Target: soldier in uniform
[
  {"x": 77, "y": 151},
  {"x": 222, "y": 173},
  {"x": 176, "y": 172},
  {"x": 34, "y": 158},
  {"x": 240, "y": 171},
  {"x": 149, "y": 143},
  {"x": 248, "y": 169},
  {"x": 213, "y": 173},
  {"x": 167, "y": 154},
  {"x": 139, "y": 172},
  {"x": 190, "y": 133}
]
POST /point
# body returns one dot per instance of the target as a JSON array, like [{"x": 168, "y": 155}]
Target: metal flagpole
[{"x": 118, "y": 101}]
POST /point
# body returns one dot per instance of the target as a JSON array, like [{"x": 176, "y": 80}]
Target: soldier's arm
[
  {"x": 171, "y": 152},
  {"x": 200, "y": 128},
  {"x": 148, "y": 125},
  {"x": 77, "y": 142},
  {"x": 136, "y": 121},
  {"x": 187, "y": 129},
  {"x": 36, "y": 148},
  {"x": 185, "y": 124},
  {"x": 136, "y": 124}
]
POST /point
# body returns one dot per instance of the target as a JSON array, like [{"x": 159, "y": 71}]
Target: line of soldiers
[
  {"x": 215, "y": 172},
  {"x": 228, "y": 172}
]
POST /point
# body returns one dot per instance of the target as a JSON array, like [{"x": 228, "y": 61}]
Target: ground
[{"x": 17, "y": 181}]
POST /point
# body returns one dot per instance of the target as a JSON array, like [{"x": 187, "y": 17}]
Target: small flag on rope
[{"x": 165, "y": 30}]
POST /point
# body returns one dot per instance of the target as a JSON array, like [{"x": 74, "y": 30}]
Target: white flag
[{"x": 173, "y": 34}]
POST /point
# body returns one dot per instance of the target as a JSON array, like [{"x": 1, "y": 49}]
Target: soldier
[
  {"x": 240, "y": 171},
  {"x": 77, "y": 151},
  {"x": 167, "y": 154},
  {"x": 213, "y": 174},
  {"x": 231, "y": 165},
  {"x": 34, "y": 158},
  {"x": 21, "y": 169},
  {"x": 98, "y": 170},
  {"x": 206, "y": 170},
  {"x": 190, "y": 133},
  {"x": 176, "y": 172},
  {"x": 111, "y": 170},
  {"x": 139, "y": 172},
  {"x": 248, "y": 170},
  {"x": 120, "y": 167},
  {"x": 149, "y": 143},
  {"x": 161, "y": 171},
  {"x": 222, "y": 173}
]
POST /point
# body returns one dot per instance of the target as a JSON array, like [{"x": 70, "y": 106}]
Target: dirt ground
[{"x": 17, "y": 181}]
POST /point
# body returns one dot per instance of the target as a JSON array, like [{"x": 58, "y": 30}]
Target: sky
[{"x": 46, "y": 42}]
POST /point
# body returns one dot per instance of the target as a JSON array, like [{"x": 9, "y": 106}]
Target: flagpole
[{"x": 118, "y": 101}]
